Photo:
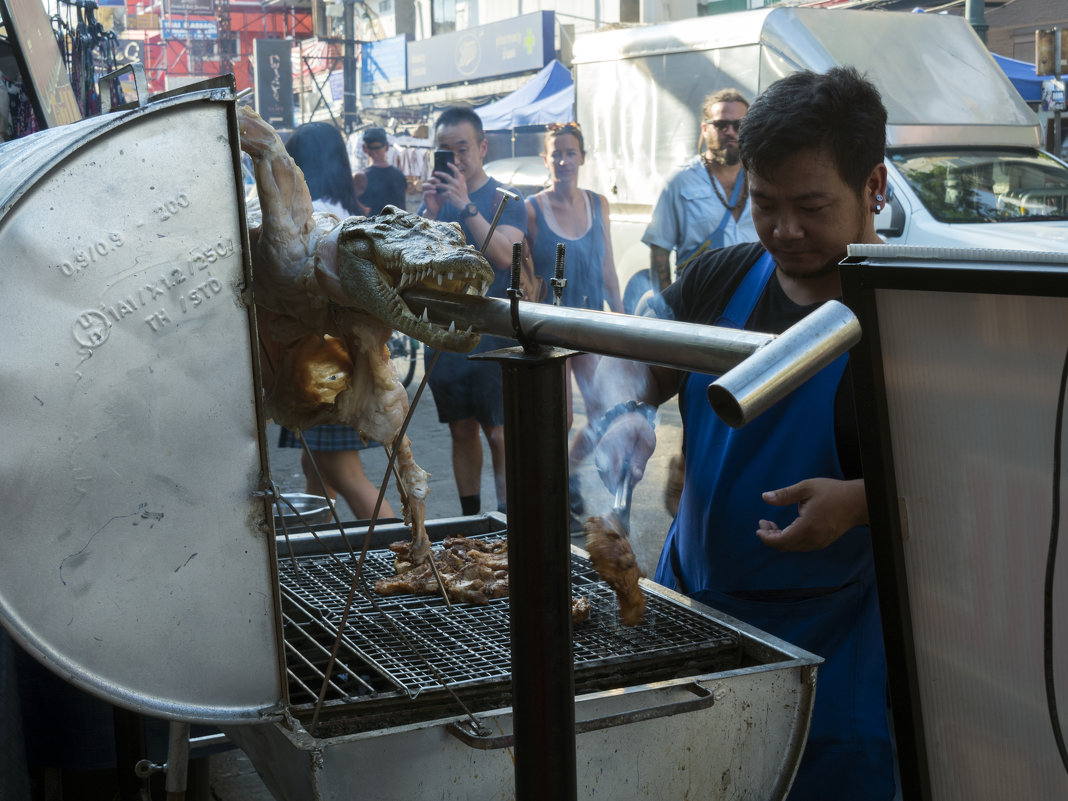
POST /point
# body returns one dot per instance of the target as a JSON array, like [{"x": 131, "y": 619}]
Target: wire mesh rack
[{"x": 404, "y": 646}]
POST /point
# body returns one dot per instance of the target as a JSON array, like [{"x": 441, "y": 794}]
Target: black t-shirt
[
  {"x": 701, "y": 294},
  {"x": 385, "y": 186}
]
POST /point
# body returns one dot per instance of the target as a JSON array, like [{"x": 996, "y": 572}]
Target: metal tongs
[{"x": 621, "y": 502}]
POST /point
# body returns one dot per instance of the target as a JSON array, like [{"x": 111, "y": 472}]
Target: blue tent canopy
[
  {"x": 547, "y": 97},
  {"x": 1022, "y": 76}
]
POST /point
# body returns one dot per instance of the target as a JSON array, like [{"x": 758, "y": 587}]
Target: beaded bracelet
[{"x": 645, "y": 409}]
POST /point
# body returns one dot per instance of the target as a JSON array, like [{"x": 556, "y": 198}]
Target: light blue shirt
[{"x": 688, "y": 212}]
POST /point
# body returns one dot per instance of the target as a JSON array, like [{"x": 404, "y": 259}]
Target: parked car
[
  {"x": 528, "y": 174},
  {"x": 964, "y": 159}
]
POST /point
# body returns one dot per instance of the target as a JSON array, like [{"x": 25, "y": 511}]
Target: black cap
[{"x": 375, "y": 136}]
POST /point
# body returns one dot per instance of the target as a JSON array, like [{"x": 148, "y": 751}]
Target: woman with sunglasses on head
[
  {"x": 704, "y": 205},
  {"x": 578, "y": 218}
]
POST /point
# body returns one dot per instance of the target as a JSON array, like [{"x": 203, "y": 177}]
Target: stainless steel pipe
[
  {"x": 684, "y": 346},
  {"x": 755, "y": 370},
  {"x": 774, "y": 371}
]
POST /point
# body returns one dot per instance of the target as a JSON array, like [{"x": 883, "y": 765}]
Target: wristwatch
[{"x": 470, "y": 210}]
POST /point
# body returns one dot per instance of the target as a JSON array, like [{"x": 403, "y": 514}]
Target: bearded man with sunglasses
[{"x": 705, "y": 204}]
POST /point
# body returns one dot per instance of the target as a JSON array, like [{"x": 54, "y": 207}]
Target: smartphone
[{"x": 442, "y": 158}]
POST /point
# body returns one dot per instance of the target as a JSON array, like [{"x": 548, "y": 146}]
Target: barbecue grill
[
  {"x": 650, "y": 699},
  {"x": 139, "y": 507}
]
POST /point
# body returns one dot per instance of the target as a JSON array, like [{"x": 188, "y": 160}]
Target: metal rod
[
  {"x": 539, "y": 568},
  {"x": 785, "y": 364},
  {"x": 177, "y": 760},
  {"x": 698, "y": 348},
  {"x": 558, "y": 281},
  {"x": 505, "y": 195},
  {"x": 737, "y": 396}
]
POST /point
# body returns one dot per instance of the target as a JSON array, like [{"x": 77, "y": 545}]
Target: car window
[
  {"x": 527, "y": 174},
  {"x": 986, "y": 185}
]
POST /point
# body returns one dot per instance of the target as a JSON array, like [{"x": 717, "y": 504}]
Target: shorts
[
  {"x": 326, "y": 438},
  {"x": 464, "y": 388}
]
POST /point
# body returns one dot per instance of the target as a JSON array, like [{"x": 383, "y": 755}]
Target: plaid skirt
[{"x": 326, "y": 438}]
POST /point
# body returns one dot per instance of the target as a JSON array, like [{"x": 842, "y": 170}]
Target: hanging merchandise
[
  {"x": 89, "y": 52},
  {"x": 22, "y": 119}
]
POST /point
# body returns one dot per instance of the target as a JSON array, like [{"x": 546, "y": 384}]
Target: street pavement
[{"x": 232, "y": 777}]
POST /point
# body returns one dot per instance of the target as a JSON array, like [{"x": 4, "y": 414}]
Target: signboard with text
[
  {"x": 129, "y": 51},
  {"x": 189, "y": 28},
  {"x": 383, "y": 66},
  {"x": 500, "y": 48},
  {"x": 190, "y": 6},
  {"x": 274, "y": 80}
]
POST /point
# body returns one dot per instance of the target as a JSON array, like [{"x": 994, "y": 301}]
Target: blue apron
[{"x": 823, "y": 601}]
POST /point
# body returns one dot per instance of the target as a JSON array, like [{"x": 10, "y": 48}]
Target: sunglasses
[
  {"x": 723, "y": 125},
  {"x": 374, "y": 147}
]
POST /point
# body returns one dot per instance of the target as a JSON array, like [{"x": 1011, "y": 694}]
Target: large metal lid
[{"x": 137, "y": 562}]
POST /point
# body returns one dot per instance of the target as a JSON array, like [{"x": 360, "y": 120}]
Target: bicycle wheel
[{"x": 403, "y": 352}]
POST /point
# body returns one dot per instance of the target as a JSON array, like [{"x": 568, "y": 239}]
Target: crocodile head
[{"x": 379, "y": 257}]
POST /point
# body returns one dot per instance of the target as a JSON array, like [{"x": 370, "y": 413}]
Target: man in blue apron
[{"x": 772, "y": 523}]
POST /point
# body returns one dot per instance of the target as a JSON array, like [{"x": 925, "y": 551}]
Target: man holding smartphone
[{"x": 467, "y": 393}]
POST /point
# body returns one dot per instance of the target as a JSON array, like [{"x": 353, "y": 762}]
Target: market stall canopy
[
  {"x": 1022, "y": 75},
  {"x": 547, "y": 97}
]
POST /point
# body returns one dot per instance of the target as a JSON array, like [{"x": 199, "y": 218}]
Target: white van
[{"x": 964, "y": 159}]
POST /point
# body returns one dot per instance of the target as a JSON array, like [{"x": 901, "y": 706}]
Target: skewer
[
  {"x": 433, "y": 564},
  {"x": 437, "y": 576}
]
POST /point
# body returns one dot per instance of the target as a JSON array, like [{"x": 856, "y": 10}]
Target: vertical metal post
[
  {"x": 1057, "y": 56},
  {"x": 975, "y": 13},
  {"x": 539, "y": 566},
  {"x": 349, "y": 68},
  {"x": 177, "y": 760}
]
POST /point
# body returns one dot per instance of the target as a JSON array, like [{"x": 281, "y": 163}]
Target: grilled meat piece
[
  {"x": 580, "y": 609},
  {"x": 472, "y": 570},
  {"x": 613, "y": 559}
]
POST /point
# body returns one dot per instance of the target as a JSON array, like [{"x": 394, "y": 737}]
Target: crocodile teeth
[
  {"x": 452, "y": 327},
  {"x": 450, "y": 275},
  {"x": 485, "y": 286},
  {"x": 468, "y": 331},
  {"x": 426, "y": 317},
  {"x": 440, "y": 279}
]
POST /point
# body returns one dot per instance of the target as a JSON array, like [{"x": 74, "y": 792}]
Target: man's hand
[
  {"x": 629, "y": 438},
  {"x": 454, "y": 187},
  {"x": 454, "y": 184},
  {"x": 827, "y": 509}
]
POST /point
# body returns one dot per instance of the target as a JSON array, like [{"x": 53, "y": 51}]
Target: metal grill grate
[{"x": 412, "y": 644}]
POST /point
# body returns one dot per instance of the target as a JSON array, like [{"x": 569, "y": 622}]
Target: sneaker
[{"x": 578, "y": 527}]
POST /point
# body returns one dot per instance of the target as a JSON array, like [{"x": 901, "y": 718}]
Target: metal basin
[{"x": 299, "y": 509}]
